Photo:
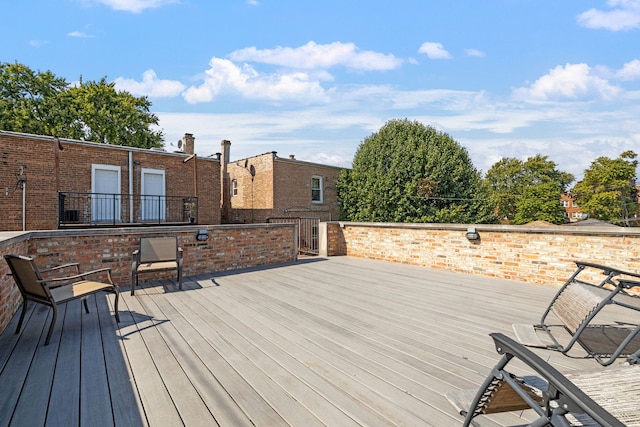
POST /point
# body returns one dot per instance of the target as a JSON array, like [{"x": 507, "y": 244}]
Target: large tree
[
  {"x": 525, "y": 191},
  {"x": 608, "y": 191},
  {"x": 409, "y": 172},
  {"x": 43, "y": 104}
]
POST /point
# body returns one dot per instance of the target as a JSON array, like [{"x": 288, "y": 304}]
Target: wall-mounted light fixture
[
  {"x": 472, "y": 234},
  {"x": 202, "y": 235}
]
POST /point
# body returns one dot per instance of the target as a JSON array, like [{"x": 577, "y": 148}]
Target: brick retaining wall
[
  {"x": 542, "y": 255},
  {"x": 229, "y": 247}
]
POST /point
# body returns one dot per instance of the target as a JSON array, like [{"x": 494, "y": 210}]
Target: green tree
[
  {"x": 28, "y": 99},
  {"x": 527, "y": 191},
  {"x": 43, "y": 104},
  {"x": 409, "y": 172},
  {"x": 608, "y": 191}
]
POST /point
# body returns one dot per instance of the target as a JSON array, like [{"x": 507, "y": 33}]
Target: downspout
[
  {"x": 24, "y": 205},
  {"x": 130, "y": 187}
]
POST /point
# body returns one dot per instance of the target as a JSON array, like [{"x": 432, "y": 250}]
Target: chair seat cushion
[
  {"x": 78, "y": 289},
  {"x": 157, "y": 266}
]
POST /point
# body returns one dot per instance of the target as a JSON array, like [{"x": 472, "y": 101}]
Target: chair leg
[
  {"x": 86, "y": 307},
  {"x": 179, "y": 279},
  {"x": 53, "y": 324},
  {"x": 134, "y": 282},
  {"x": 115, "y": 305},
  {"x": 24, "y": 311}
]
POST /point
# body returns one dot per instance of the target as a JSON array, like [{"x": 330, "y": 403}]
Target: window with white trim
[
  {"x": 316, "y": 189},
  {"x": 234, "y": 187}
]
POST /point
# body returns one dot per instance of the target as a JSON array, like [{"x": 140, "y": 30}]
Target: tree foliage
[
  {"x": 43, "y": 104},
  {"x": 608, "y": 191},
  {"x": 409, "y": 172},
  {"x": 523, "y": 192}
]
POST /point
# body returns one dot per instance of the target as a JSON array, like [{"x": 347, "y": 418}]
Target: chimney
[
  {"x": 226, "y": 151},
  {"x": 189, "y": 143},
  {"x": 225, "y": 196}
]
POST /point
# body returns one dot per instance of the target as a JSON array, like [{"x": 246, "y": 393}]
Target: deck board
[{"x": 336, "y": 341}]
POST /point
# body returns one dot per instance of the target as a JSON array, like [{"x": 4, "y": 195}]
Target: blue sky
[{"x": 505, "y": 78}]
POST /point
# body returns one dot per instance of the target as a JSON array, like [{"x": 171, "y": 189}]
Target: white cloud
[
  {"x": 624, "y": 15},
  {"x": 80, "y": 35},
  {"x": 38, "y": 43},
  {"x": 475, "y": 52},
  {"x": 630, "y": 71},
  {"x": 135, "y": 6},
  {"x": 225, "y": 77},
  {"x": 434, "y": 50},
  {"x": 571, "y": 82},
  {"x": 150, "y": 86},
  {"x": 319, "y": 56}
]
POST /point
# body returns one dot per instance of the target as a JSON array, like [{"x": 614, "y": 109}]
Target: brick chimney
[
  {"x": 188, "y": 143},
  {"x": 225, "y": 195}
]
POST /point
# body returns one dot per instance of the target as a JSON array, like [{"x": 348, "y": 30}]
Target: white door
[
  {"x": 105, "y": 186},
  {"x": 153, "y": 195}
]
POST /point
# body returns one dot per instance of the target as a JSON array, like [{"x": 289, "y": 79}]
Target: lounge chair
[
  {"x": 607, "y": 397},
  {"x": 56, "y": 290},
  {"x": 576, "y": 305},
  {"x": 156, "y": 254}
]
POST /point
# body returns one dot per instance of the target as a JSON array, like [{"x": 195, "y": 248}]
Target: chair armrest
[
  {"x": 575, "y": 399},
  {"x": 77, "y": 276},
  {"x": 180, "y": 256},
  {"x": 629, "y": 284},
  {"x": 60, "y": 267},
  {"x": 606, "y": 269}
]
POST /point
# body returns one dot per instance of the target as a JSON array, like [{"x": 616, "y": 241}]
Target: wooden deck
[{"x": 334, "y": 342}]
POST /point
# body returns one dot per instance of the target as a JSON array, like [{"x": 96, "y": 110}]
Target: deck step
[{"x": 526, "y": 335}]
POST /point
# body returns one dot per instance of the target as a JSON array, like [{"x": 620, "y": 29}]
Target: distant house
[
  {"x": 264, "y": 187},
  {"x": 572, "y": 211},
  {"x": 49, "y": 183}
]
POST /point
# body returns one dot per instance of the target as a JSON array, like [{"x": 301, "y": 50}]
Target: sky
[{"x": 315, "y": 78}]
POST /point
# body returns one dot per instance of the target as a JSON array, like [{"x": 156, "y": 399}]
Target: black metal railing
[
  {"x": 105, "y": 210},
  {"x": 308, "y": 232}
]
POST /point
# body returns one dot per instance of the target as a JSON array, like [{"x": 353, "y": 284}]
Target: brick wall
[
  {"x": 67, "y": 167},
  {"x": 10, "y": 298},
  {"x": 228, "y": 248},
  {"x": 281, "y": 187},
  {"x": 292, "y": 190},
  {"x": 542, "y": 255},
  {"x": 254, "y": 201}
]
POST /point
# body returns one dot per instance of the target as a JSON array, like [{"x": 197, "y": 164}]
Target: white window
[
  {"x": 316, "y": 189},
  {"x": 105, "y": 186},
  {"x": 234, "y": 187},
  {"x": 565, "y": 204}
]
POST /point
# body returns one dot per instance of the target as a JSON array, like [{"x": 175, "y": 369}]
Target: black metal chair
[
  {"x": 576, "y": 305},
  {"x": 608, "y": 397},
  {"x": 58, "y": 290},
  {"x": 156, "y": 254}
]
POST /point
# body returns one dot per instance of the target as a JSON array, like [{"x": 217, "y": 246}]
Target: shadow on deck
[{"x": 338, "y": 341}]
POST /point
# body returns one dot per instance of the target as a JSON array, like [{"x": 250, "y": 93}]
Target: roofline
[
  {"x": 304, "y": 162},
  {"x": 99, "y": 145}
]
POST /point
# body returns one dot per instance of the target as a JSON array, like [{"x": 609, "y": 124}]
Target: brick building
[
  {"x": 572, "y": 211},
  {"x": 46, "y": 183},
  {"x": 268, "y": 186}
]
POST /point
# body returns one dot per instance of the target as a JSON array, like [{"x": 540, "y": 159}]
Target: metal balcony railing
[{"x": 108, "y": 210}]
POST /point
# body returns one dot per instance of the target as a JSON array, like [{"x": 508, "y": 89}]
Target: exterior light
[
  {"x": 202, "y": 235},
  {"x": 472, "y": 234}
]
